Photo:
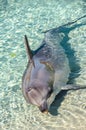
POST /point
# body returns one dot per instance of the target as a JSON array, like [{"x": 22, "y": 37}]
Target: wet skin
[{"x": 47, "y": 70}]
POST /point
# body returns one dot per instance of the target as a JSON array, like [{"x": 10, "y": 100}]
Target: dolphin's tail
[
  {"x": 69, "y": 23},
  {"x": 62, "y": 26}
]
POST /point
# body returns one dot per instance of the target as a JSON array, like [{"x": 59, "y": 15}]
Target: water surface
[{"x": 21, "y": 17}]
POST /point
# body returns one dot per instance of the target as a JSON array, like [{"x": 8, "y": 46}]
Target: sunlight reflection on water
[{"x": 31, "y": 18}]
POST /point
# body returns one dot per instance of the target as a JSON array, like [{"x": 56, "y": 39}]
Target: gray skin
[
  {"x": 47, "y": 71},
  {"x": 46, "y": 74}
]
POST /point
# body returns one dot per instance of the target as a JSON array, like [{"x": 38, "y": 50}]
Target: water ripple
[{"x": 21, "y": 17}]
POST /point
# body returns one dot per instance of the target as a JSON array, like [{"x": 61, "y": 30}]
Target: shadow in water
[{"x": 73, "y": 63}]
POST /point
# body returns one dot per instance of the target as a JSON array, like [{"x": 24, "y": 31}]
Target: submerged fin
[
  {"x": 73, "y": 87},
  {"x": 29, "y": 52}
]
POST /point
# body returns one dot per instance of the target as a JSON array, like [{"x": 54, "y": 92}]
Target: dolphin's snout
[{"x": 43, "y": 108}]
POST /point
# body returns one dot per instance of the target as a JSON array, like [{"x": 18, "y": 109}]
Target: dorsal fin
[{"x": 29, "y": 52}]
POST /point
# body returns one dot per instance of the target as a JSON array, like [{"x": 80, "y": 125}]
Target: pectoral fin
[
  {"x": 73, "y": 87},
  {"x": 29, "y": 51}
]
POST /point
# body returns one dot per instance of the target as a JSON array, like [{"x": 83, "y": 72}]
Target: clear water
[{"x": 31, "y": 17}]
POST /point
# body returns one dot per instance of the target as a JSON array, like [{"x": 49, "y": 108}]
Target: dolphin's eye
[
  {"x": 29, "y": 89},
  {"x": 50, "y": 92}
]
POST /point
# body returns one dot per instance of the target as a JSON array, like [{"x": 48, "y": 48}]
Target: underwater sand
[{"x": 31, "y": 17}]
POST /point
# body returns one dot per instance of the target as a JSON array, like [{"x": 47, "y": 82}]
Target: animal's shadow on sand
[{"x": 74, "y": 66}]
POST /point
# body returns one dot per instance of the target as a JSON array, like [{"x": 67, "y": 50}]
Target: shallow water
[{"x": 21, "y": 17}]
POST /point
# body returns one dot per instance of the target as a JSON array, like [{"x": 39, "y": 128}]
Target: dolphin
[{"x": 47, "y": 71}]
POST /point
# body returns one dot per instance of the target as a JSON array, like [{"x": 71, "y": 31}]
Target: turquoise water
[{"x": 20, "y": 17}]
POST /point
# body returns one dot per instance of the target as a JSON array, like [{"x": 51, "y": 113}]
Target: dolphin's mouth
[
  {"x": 45, "y": 111},
  {"x": 43, "y": 107}
]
